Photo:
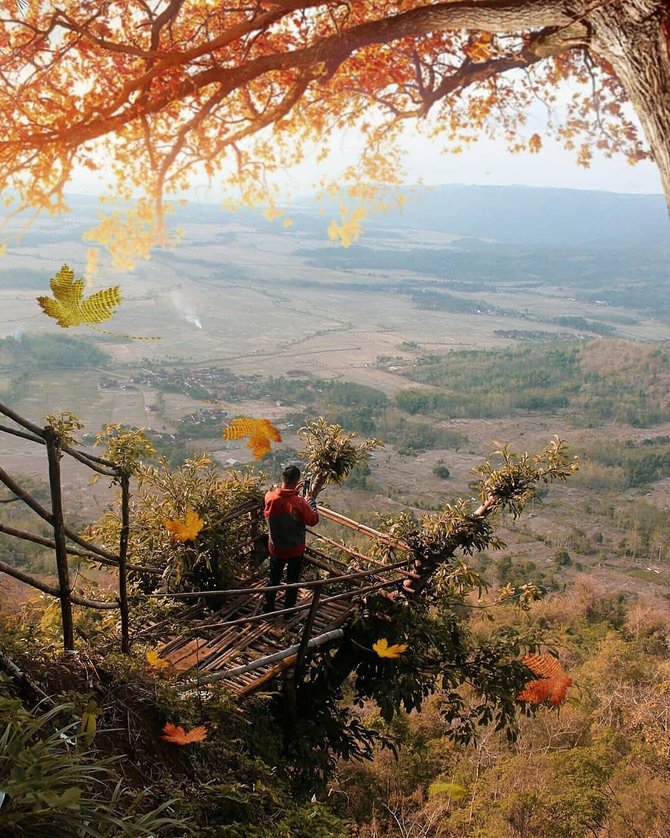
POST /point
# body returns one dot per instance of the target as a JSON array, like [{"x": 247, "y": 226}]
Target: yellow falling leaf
[
  {"x": 382, "y": 648},
  {"x": 261, "y": 432},
  {"x": 69, "y": 308},
  {"x": 154, "y": 661},
  {"x": 185, "y": 530},
  {"x": 3, "y": 249},
  {"x": 92, "y": 255},
  {"x": 288, "y": 222}
]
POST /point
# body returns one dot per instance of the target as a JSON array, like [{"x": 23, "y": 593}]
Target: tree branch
[
  {"x": 495, "y": 16},
  {"x": 51, "y": 590}
]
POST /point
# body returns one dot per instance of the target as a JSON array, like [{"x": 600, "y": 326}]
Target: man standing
[{"x": 287, "y": 514}]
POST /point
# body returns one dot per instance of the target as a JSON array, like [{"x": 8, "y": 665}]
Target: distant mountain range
[
  {"x": 519, "y": 216},
  {"x": 524, "y": 215}
]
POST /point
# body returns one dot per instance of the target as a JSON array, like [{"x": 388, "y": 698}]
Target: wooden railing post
[
  {"x": 123, "y": 555},
  {"x": 54, "y": 454},
  {"x": 304, "y": 640}
]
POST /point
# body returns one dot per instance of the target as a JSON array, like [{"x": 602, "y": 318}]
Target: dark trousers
[{"x": 293, "y": 568}]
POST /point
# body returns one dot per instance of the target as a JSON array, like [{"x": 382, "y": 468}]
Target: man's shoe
[{"x": 267, "y": 609}]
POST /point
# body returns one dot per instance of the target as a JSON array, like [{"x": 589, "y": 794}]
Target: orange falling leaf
[
  {"x": 176, "y": 734},
  {"x": 187, "y": 529},
  {"x": 382, "y": 648},
  {"x": 552, "y": 684},
  {"x": 261, "y": 432}
]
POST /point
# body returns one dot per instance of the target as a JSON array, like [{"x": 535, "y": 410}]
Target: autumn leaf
[
  {"x": 261, "y": 432},
  {"x": 552, "y": 684},
  {"x": 350, "y": 228},
  {"x": 382, "y": 648},
  {"x": 479, "y": 48},
  {"x": 154, "y": 661},
  {"x": 69, "y": 308},
  {"x": 535, "y": 144},
  {"x": 187, "y": 529},
  {"x": 178, "y": 736},
  {"x": 88, "y": 725}
]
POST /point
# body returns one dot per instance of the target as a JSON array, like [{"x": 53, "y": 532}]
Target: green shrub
[{"x": 50, "y": 786}]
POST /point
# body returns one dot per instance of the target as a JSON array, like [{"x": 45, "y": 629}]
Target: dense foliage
[{"x": 210, "y": 560}]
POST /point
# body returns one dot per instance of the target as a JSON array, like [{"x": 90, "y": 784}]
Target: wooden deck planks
[{"x": 217, "y": 650}]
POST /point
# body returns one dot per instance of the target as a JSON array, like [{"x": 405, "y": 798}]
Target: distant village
[{"x": 212, "y": 383}]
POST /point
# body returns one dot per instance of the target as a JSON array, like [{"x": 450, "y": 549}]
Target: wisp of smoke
[{"x": 184, "y": 309}]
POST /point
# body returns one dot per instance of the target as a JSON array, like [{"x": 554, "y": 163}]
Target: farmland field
[{"x": 268, "y": 304}]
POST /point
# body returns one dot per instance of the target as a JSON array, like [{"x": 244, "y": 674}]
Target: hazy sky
[
  {"x": 489, "y": 162},
  {"x": 486, "y": 162}
]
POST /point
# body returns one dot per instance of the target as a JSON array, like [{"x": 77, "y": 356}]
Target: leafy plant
[
  {"x": 210, "y": 557},
  {"x": 125, "y": 447},
  {"x": 50, "y": 786},
  {"x": 330, "y": 453},
  {"x": 65, "y": 425}
]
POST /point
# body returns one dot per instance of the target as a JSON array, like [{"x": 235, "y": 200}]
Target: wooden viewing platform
[
  {"x": 223, "y": 637},
  {"x": 239, "y": 646}
]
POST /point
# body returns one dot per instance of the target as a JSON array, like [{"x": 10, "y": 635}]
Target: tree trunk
[{"x": 634, "y": 37}]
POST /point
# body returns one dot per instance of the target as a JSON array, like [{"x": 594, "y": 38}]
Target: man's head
[{"x": 290, "y": 477}]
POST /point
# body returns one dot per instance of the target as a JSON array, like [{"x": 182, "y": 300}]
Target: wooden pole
[
  {"x": 343, "y": 547},
  {"x": 16, "y": 432},
  {"x": 296, "y": 608},
  {"x": 74, "y": 551},
  {"x": 47, "y": 516},
  {"x": 337, "y": 518},
  {"x": 54, "y": 455},
  {"x": 304, "y": 640},
  {"x": 29, "y": 426},
  {"x": 123, "y": 554},
  {"x": 287, "y": 586}
]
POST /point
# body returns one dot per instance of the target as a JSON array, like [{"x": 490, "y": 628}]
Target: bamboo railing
[{"x": 55, "y": 517}]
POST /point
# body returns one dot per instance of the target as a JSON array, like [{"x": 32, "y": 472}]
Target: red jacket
[{"x": 288, "y": 514}]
